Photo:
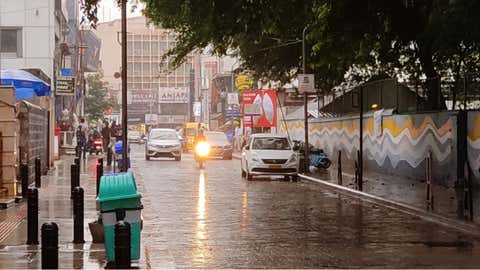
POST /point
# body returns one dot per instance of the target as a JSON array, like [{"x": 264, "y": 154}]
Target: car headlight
[
  {"x": 292, "y": 159},
  {"x": 256, "y": 159}
]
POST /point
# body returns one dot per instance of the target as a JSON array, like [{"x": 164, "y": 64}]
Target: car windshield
[
  {"x": 190, "y": 131},
  {"x": 163, "y": 135},
  {"x": 217, "y": 137},
  {"x": 134, "y": 133},
  {"x": 271, "y": 144}
]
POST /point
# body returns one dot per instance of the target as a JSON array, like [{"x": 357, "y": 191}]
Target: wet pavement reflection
[{"x": 213, "y": 218}]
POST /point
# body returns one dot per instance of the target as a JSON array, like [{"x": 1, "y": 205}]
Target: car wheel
[
  {"x": 294, "y": 178},
  {"x": 147, "y": 158},
  {"x": 286, "y": 178}
]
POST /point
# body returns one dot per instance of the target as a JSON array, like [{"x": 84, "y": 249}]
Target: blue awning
[{"x": 23, "y": 80}]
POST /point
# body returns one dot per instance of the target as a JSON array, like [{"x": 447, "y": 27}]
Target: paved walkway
[{"x": 55, "y": 206}]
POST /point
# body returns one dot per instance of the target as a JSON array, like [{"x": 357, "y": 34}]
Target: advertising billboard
[{"x": 266, "y": 102}]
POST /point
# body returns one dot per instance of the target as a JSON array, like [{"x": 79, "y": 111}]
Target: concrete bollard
[
  {"x": 74, "y": 178},
  {"x": 24, "y": 177},
  {"x": 78, "y": 215},
  {"x": 50, "y": 245},
  {"x": 38, "y": 172},
  {"x": 32, "y": 216},
  {"x": 122, "y": 245}
]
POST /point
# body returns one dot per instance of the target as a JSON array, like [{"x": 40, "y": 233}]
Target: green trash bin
[{"x": 119, "y": 200}]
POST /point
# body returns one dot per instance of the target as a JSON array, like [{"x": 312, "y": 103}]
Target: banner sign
[
  {"x": 173, "y": 95},
  {"x": 265, "y": 114}
]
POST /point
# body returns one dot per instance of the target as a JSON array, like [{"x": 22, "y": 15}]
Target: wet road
[{"x": 213, "y": 218}]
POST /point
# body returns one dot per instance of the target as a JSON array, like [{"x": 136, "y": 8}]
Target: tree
[
  {"x": 96, "y": 100},
  {"x": 419, "y": 37}
]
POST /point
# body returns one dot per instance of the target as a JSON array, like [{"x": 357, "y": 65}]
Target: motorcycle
[{"x": 202, "y": 151}]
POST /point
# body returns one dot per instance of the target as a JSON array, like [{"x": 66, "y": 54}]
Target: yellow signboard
[{"x": 243, "y": 82}]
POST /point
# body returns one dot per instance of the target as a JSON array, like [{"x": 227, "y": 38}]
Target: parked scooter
[{"x": 317, "y": 157}]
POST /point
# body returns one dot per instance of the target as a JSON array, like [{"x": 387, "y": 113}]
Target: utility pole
[
  {"x": 124, "y": 87},
  {"x": 305, "y": 104}
]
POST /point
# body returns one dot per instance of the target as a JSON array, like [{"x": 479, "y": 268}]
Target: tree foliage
[
  {"x": 416, "y": 38},
  {"x": 96, "y": 100}
]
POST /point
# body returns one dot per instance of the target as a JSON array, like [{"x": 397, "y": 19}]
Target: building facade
[
  {"x": 31, "y": 36},
  {"x": 157, "y": 95}
]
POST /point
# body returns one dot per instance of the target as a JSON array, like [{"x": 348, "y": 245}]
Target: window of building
[
  {"x": 146, "y": 48},
  {"x": 137, "y": 68},
  {"x": 146, "y": 68},
  {"x": 11, "y": 42},
  {"x": 173, "y": 108},
  {"x": 137, "y": 49}
]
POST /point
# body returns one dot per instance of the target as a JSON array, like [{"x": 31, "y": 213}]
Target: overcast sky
[{"x": 110, "y": 11}]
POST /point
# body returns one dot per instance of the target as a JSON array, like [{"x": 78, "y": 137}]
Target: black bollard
[
  {"x": 78, "y": 215},
  {"x": 49, "y": 245},
  {"x": 38, "y": 173},
  {"x": 122, "y": 245},
  {"x": 339, "y": 167},
  {"x": 77, "y": 162},
  {"x": 74, "y": 179},
  {"x": 99, "y": 175},
  {"x": 100, "y": 161},
  {"x": 32, "y": 216},
  {"x": 24, "y": 177}
]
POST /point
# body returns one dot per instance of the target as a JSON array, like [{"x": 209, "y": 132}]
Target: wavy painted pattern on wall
[
  {"x": 406, "y": 138},
  {"x": 473, "y": 141}
]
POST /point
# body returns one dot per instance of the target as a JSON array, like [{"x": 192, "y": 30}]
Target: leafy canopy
[{"x": 419, "y": 38}]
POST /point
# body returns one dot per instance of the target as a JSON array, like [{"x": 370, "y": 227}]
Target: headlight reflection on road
[
  {"x": 201, "y": 252},
  {"x": 244, "y": 210}
]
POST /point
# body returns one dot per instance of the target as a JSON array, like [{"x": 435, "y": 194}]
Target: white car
[
  {"x": 163, "y": 142},
  {"x": 269, "y": 154}
]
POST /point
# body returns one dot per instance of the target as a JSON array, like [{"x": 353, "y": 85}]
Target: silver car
[{"x": 163, "y": 142}]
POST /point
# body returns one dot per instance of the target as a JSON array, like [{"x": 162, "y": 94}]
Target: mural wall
[
  {"x": 400, "y": 146},
  {"x": 473, "y": 142}
]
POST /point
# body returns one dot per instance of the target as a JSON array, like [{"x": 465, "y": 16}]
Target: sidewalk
[
  {"x": 448, "y": 202},
  {"x": 55, "y": 206}
]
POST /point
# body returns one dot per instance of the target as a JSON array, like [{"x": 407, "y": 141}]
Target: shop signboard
[{"x": 173, "y": 95}]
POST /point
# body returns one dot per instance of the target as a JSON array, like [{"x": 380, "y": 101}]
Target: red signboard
[{"x": 267, "y": 103}]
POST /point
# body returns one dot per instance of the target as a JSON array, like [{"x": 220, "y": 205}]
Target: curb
[{"x": 420, "y": 213}]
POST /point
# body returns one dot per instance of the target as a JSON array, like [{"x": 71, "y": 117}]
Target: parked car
[
  {"x": 219, "y": 144},
  {"x": 269, "y": 154},
  {"x": 163, "y": 142},
  {"x": 134, "y": 136}
]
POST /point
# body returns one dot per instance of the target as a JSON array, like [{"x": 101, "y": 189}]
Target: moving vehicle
[
  {"x": 201, "y": 153},
  {"x": 269, "y": 154},
  {"x": 219, "y": 144},
  {"x": 135, "y": 136},
  {"x": 163, "y": 142},
  {"x": 190, "y": 130}
]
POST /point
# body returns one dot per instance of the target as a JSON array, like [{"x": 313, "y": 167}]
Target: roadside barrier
[{"x": 78, "y": 215}]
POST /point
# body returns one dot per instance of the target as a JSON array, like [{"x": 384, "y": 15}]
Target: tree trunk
[{"x": 436, "y": 101}]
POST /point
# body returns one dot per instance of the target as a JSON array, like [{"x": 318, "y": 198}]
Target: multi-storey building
[{"x": 160, "y": 95}]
